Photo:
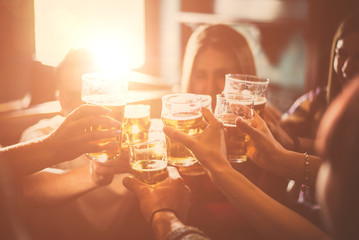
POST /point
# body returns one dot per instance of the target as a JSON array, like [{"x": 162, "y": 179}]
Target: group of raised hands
[{"x": 71, "y": 139}]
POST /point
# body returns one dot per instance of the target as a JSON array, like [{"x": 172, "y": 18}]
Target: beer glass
[
  {"x": 148, "y": 161},
  {"x": 197, "y": 169},
  {"x": 109, "y": 91},
  {"x": 227, "y": 110},
  {"x": 241, "y": 84},
  {"x": 183, "y": 112},
  {"x": 206, "y": 101},
  {"x": 136, "y": 124}
]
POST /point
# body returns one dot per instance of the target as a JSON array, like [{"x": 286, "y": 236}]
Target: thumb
[
  {"x": 246, "y": 128},
  {"x": 179, "y": 136},
  {"x": 133, "y": 184}
]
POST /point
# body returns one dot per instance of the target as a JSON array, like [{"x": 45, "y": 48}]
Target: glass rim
[
  {"x": 167, "y": 96},
  {"x": 251, "y": 78},
  {"x": 231, "y": 96}
]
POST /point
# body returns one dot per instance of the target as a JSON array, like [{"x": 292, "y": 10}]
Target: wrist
[
  {"x": 218, "y": 173},
  {"x": 162, "y": 213},
  {"x": 47, "y": 151},
  {"x": 165, "y": 222},
  {"x": 216, "y": 163}
]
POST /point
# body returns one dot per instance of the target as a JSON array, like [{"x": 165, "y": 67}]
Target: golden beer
[
  {"x": 227, "y": 111},
  {"x": 136, "y": 123},
  {"x": 194, "y": 170},
  {"x": 259, "y": 104},
  {"x": 148, "y": 161},
  {"x": 188, "y": 123},
  {"x": 236, "y": 142},
  {"x": 150, "y": 171},
  {"x": 118, "y": 109}
]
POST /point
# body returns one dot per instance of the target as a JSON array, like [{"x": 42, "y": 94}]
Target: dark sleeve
[
  {"x": 187, "y": 233},
  {"x": 303, "y": 118}
]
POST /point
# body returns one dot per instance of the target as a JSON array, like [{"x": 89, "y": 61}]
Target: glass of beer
[
  {"x": 136, "y": 124},
  {"x": 227, "y": 110},
  {"x": 206, "y": 101},
  {"x": 183, "y": 112},
  {"x": 197, "y": 169},
  {"x": 109, "y": 91},
  {"x": 241, "y": 84},
  {"x": 148, "y": 161}
]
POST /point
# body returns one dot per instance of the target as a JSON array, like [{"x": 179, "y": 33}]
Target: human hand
[
  {"x": 171, "y": 193},
  {"x": 272, "y": 117},
  {"x": 262, "y": 147},
  {"x": 102, "y": 173},
  {"x": 72, "y": 138},
  {"x": 209, "y": 146}
]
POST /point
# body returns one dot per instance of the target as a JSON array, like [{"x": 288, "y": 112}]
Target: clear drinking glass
[
  {"x": 241, "y": 84},
  {"x": 227, "y": 110},
  {"x": 148, "y": 161},
  {"x": 136, "y": 124},
  {"x": 197, "y": 169},
  {"x": 206, "y": 101},
  {"x": 183, "y": 112},
  {"x": 109, "y": 91}
]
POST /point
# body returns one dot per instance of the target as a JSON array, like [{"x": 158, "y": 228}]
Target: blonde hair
[{"x": 221, "y": 37}]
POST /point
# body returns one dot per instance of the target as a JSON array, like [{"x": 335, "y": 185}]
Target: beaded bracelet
[{"x": 306, "y": 172}]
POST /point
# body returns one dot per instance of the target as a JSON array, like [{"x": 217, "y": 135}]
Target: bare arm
[
  {"x": 49, "y": 188},
  {"x": 67, "y": 142},
  {"x": 269, "y": 154},
  {"x": 271, "y": 219},
  {"x": 55, "y": 186}
]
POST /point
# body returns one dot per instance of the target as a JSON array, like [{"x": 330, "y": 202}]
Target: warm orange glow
[{"x": 112, "y": 29}]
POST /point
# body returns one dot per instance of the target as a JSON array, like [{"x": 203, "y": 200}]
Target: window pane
[{"x": 113, "y": 29}]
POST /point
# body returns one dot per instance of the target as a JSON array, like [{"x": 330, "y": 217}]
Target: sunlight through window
[{"x": 112, "y": 29}]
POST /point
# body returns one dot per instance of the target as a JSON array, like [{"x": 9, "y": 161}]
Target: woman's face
[
  {"x": 209, "y": 69},
  {"x": 346, "y": 59}
]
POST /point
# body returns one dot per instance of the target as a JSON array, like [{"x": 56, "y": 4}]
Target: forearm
[
  {"x": 26, "y": 158},
  {"x": 167, "y": 226},
  {"x": 272, "y": 220},
  {"x": 165, "y": 222},
  {"x": 48, "y": 188},
  {"x": 291, "y": 165}
]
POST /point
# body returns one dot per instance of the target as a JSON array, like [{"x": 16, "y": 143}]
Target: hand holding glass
[
  {"x": 148, "y": 161},
  {"x": 241, "y": 85},
  {"x": 183, "y": 112},
  {"x": 109, "y": 91},
  {"x": 227, "y": 110}
]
